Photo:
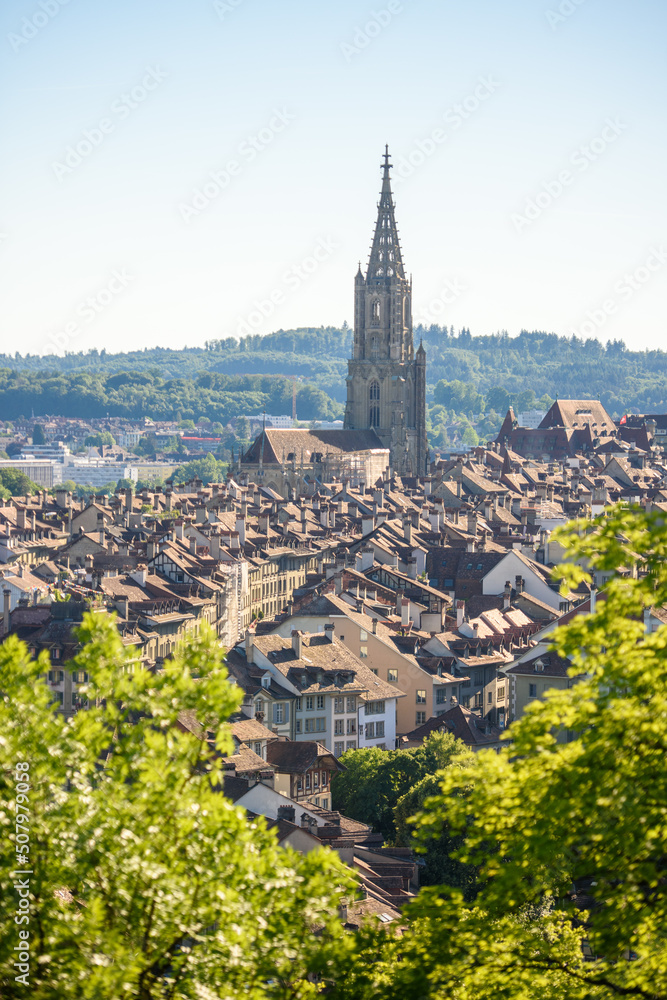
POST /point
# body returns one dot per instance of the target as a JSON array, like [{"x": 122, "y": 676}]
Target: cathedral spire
[{"x": 385, "y": 260}]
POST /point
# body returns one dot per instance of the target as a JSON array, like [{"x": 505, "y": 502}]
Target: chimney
[
  {"x": 594, "y": 596},
  {"x": 214, "y": 545},
  {"x": 405, "y": 612},
  {"x": 460, "y": 611},
  {"x": 249, "y": 647},
  {"x": 399, "y": 598},
  {"x": 472, "y": 523},
  {"x": 240, "y": 527},
  {"x": 507, "y": 595},
  {"x": 151, "y": 549},
  {"x": 193, "y": 545},
  {"x": 518, "y": 584},
  {"x": 123, "y": 607},
  {"x": 6, "y": 594},
  {"x": 412, "y": 568},
  {"x": 374, "y": 626},
  {"x": 367, "y": 525},
  {"x": 475, "y": 630},
  {"x": 297, "y": 642},
  {"x": 407, "y": 531},
  {"x": 329, "y": 632}
]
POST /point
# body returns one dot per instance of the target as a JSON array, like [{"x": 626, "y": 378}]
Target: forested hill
[{"x": 164, "y": 381}]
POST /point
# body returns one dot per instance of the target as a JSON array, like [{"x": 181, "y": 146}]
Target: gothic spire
[{"x": 385, "y": 260}]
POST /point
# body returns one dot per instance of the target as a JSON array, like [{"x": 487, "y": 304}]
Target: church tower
[{"x": 386, "y": 381}]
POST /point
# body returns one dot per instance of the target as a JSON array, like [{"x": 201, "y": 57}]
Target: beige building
[{"x": 539, "y": 671}]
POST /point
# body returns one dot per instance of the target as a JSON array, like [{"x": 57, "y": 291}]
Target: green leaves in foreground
[
  {"x": 147, "y": 882},
  {"x": 543, "y": 815}
]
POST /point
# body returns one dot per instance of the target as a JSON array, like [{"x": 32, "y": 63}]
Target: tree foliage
[
  {"x": 375, "y": 780},
  {"x": 146, "y": 882},
  {"x": 544, "y": 820}
]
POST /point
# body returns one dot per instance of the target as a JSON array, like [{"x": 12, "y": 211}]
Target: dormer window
[{"x": 266, "y": 681}]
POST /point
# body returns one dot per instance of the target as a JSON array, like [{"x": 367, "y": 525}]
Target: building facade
[{"x": 386, "y": 382}]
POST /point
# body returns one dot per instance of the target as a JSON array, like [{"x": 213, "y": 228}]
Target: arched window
[
  {"x": 375, "y": 309},
  {"x": 374, "y": 393}
]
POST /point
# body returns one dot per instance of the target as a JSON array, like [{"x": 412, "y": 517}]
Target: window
[
  {"x": 316, "y": 779},
  {"x": 479, "y": 699},
  {"x": 479, "y": 677},
  {"x": 80, "y": 676},
  {"x": 59, "y": 698},
  {"x": 352, "y": 704},
  {"x": 375, "y": 708},
  {"x": 339, "y": 748},
  {"x": 56, "y": 676},
  {"x": 309, "y": 703},
  {"x": 370, "y": 730},
  {"x": 501, "y": 693},
  {"x": 363, "y": 652},
  {"x": 320, "y": 701},
  {"x": 310, "y": 725},
  {"x": 307, "y": 782},
  {"x": 375, "y": 309},
  {"x": 339, "y": 706},
  {"x": 338, "y": 727},
  {"x": 320, "y": 725},
  {"x": 379, "y": 730},
  {"x": 351, "y": 745},
  {"x": 55, "y": 654},
  {"x": 363, "y": 636},
  {"x": 440, "y": 695},
  {"x": 374, "y": 392},
  {"x": 325, "y": 779},
  {"x": 258, "y": 749},
  {"x": 351, "y": 726},
  {"x": 532, "y": 690},
  {"x": 490, "y": 698},
  {"x": 421, "y": 697},
  {"x": 297, "y": 704},
  {"x": 259, "y": 706},
  {"x": 420, "y": 718},
  {"x": 392, "y": 676},
  {"x": 297, "y": 726}
]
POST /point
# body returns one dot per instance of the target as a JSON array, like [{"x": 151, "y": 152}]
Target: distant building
[{"x": 531, "y": 418}]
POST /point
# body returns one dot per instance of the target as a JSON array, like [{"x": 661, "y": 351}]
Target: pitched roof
[{"x": 273, "y": 443}]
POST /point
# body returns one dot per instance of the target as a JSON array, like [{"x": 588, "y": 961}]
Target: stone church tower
[{"x": 386, "y": 382}]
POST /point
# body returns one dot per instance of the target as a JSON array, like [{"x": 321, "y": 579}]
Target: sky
[{"x": 177, "y": 172}]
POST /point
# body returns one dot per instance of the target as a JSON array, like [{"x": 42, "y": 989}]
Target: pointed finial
[{"x": 386, "y": 166}]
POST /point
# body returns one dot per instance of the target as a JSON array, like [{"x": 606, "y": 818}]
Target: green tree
[
  {"x": 187, "y": 425},
  {"x": 374, "y": 780},
  {"x": 38, "y": 436},
  {"x": 243, "y": 428},
  {"x": 100, "y": 439},
  {"x": 440, "y": 868},
  {"x": 545, "y": 817},
  {"x": 145, "y": 882},
  {"x": 16, "y": 483}
]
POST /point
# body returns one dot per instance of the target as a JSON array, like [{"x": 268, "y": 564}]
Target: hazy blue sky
[{"x": 116, "y": 112}]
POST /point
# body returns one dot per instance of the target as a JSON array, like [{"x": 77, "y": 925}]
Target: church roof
[{"x": 277, "y": 444}]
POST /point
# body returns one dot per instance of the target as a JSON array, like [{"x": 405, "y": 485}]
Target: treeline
[
  {"x": 537, "y": 362},
  {"x": 132, "y": 394}
]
